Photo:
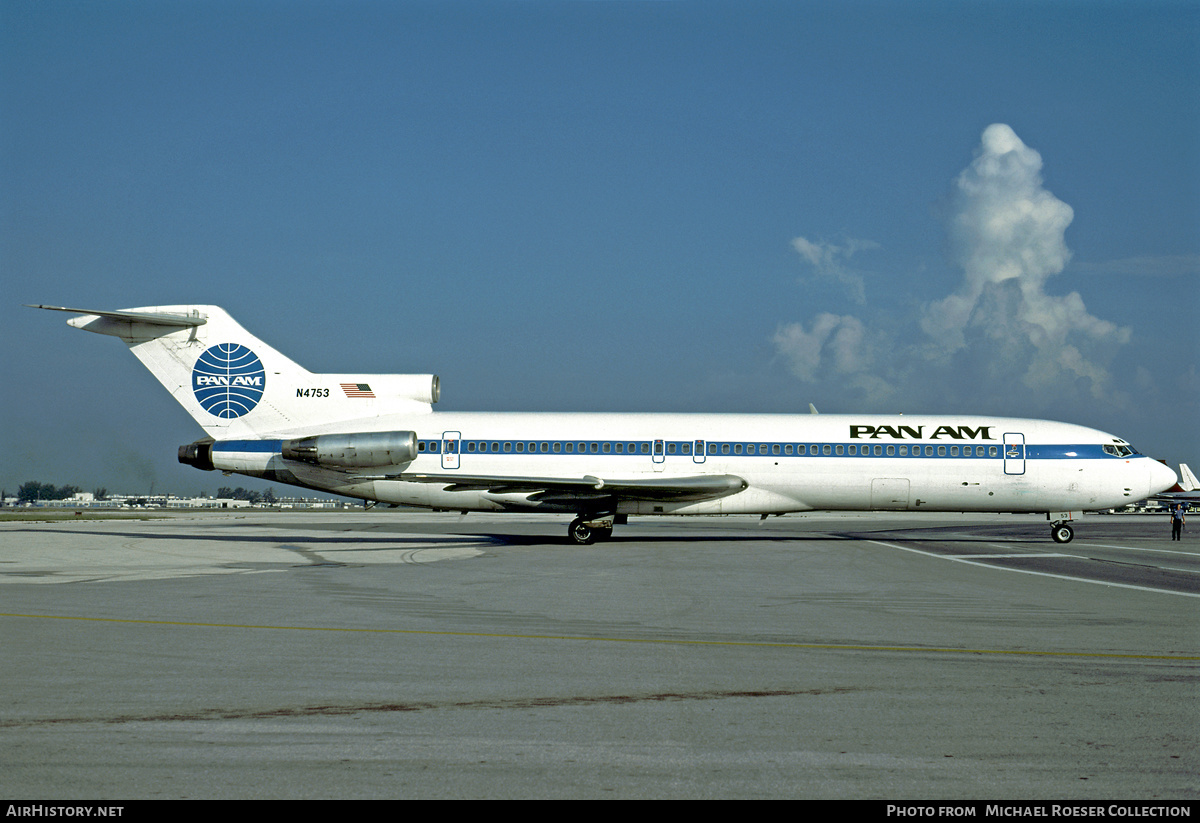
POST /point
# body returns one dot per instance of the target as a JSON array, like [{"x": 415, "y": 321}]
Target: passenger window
[
  {"x": 801, "y": 449},
  {"x": 954, "y": 451},
  {"x": 903, "y": 451},
  {"x": 929, "y": 450},
  {"x": 775, "y": 449},
  {"x": 737, "y": 448},
  {"x": 891, "y": 450},
  {"x": 787, "y": 449},
  {"x": 992, "y": 451},
  {"x": 607, "y": 448},
  {"x": 878, "y": 451},
  {"x": 521, "y": 447},
  {"x": 854, "y": 449},
  {"x": 839, "y": 449},
  {"x": 686, "y": 448},
  {"x": 670, "y": 448},
  {"x": 941, "y": 451},
  {"x": 724, "y": 448},
  {"x": 557, "y": 447},
  {"x": 750, "y": 448},
  {"x": 825, "y": 450}
]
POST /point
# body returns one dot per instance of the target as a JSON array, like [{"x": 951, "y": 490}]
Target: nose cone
[{"x": 1161, "y": 477}]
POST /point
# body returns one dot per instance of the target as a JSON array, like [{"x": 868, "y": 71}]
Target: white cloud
[
  {"x": 830, "y": 261},
  {"x": 1005, "y": 226},
  {"x": 999, "y": 328},
  {"x": 838, "y": 341}
]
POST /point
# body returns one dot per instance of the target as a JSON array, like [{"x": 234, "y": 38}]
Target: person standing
[{"x": 1177, "y": 521}]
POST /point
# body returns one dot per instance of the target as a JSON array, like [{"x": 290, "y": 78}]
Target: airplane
[
  {"x": 376, "y": 438},
  {"x": 1186, "y": 491}
]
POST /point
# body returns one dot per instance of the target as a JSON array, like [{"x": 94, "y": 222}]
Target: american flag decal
[{"x": 357, "y": 390}]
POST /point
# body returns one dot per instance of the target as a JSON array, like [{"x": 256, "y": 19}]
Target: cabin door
[
  {"x": 1014, "y": 453},
  {"x": 451, "y": 446}
]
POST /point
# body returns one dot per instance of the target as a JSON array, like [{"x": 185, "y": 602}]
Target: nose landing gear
[{"x": 1061, "y": 532}]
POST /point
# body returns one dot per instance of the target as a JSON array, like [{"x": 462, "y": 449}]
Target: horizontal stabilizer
[{"x": 149, "y": 318}]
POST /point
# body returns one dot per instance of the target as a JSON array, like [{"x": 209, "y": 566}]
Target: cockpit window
[{"x": 1120, "y": 450}]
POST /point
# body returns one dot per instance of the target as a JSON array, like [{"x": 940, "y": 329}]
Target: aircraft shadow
[{"x": 946, "y": 534}]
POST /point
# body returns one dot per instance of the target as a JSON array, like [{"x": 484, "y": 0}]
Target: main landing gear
[{"x": 584, "y": 531}]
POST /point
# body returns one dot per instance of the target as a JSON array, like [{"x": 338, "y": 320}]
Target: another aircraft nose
[{"x": 1161, "y": 477}]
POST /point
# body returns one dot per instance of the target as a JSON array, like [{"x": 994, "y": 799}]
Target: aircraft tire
[
  {"x": 581, "y": 534},
  {"x": 1062, "y": 533}
]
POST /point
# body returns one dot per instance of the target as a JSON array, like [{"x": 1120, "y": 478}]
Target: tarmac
[{"x": 393, "y": 654}]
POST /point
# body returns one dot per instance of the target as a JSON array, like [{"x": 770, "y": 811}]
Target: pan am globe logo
[{"x": 228, "y": 380}]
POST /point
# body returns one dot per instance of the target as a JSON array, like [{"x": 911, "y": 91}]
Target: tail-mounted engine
[
  {"x": 198, "y": 454},
  {"x": 359, "y": 450}
]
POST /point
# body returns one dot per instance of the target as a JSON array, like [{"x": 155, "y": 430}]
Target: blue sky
[{"x": 645, "y": 206}]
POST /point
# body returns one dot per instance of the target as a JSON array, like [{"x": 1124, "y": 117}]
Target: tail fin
[
  {"x": 1187, "y": 480},
  {"x": 236, "y": 386}
]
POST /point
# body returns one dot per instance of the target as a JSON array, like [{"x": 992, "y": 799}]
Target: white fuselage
[{"x": 790, "y": 463}]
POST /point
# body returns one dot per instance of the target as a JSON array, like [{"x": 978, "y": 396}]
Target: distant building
[{"x": 170, "y": 501}]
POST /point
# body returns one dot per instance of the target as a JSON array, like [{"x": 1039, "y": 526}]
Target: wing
[{"x": 701, "y": 487}]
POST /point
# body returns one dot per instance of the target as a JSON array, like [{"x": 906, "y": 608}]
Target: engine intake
[{"x": 359, "y": 450}]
